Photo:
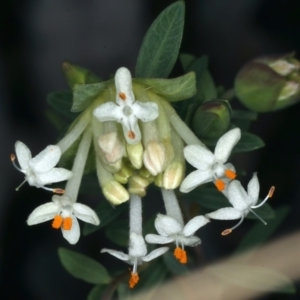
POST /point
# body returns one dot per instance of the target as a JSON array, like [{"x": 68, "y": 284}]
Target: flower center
[
  {"x": 127, "y": 111},
  {"x": 59, "y": 221}
]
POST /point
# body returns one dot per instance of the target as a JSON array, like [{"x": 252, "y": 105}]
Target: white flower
[
  {"x": 127, "y": 111},
  {"x": 243, "y": 202},
  {"x": 40, "y": 170},
  {"x": 211, "y": 166},
  {"x": 64, "y": 214},
  {"x": 137, "y": 254},
  {"x": 170, "y": 230}
]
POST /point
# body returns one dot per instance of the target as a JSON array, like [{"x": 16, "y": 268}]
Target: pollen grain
[
  {"x": 67, "y": 224},
  {"x": 220, "y": 184},
  {"x": 57, "y": 221},
  {"x": 134, "y": 279},
  {"x": 230, "y": 174},
  {"x": 122, "y": 96}
]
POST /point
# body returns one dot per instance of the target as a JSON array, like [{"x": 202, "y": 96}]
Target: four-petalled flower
[
  {"x": 137, "y": 254},
  {"x": 170, "y": 230},
  {"x": 40, "y": 170},
  {"x": 127, "y": 111},
  {"x": 64, "y": 214},
  {"x": 243, "y": 202},
  {"x": 211, "y": 166}
]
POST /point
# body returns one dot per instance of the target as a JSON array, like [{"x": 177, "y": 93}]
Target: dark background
[{"x": 37, "y": 36}]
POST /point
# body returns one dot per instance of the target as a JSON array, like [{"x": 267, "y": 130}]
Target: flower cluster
[{"x": 138, "y": 139}]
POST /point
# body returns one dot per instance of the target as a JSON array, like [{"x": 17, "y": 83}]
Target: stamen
[
  {"x": 228, "y": 231},
  {"x": 67, "y": 224},
  {"x": 57, "y": 221},
  {"x": 122, "y": 96},
  {"x": 180, "y": 255},
  {"x": 262, "y": 220},
  {"x": 230, "y": 174},
  {"x": 17, "y": 188},
  {"x": 12, "y": 158},
  {"x": 131, "y": 134},
  {"x": 220, "y": 184},
  {"x": 270, "y": 194},
  {"x": 134, "y": 279},
  {"x": 58, "y": 191}
]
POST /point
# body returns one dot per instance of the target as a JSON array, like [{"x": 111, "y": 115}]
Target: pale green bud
[
  {"x": 135, "y": 154},
  {"x": 155, "y": 157},
  {"x": 123, "y": 175},
  {"x": 115, "y": 193},
  {"x": 137, "y": 185},
  {"x": 173, "y": 175}
]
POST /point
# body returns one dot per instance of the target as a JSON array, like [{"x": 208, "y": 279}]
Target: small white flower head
[
  {"x": 170, "y": 230},
  {"x": 137, "y": 254},
  {"x": 40, "y": 170},
  {"x": 64, "y": 214},
  {"x": 243, "y": 202},
  {"x": 211, "y": 166},
  {"x": 127, "y": 111}
]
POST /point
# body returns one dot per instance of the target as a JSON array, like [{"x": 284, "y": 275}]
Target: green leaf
[
  {"x": 260, "y": 233},
  {"x": 248, "y": 142},
  {"x": 161, "y": 43},
  {"x": 96, "y": 292},
  {"x": 244, "y": 114},
  {"x": 83, "y": 267},
  {"x": 253, "y": 277},
  {"x": 61, "y": 101},
  {"x": 124, "y": 292},
  {"x": 84, "y": 94},
  {"x": 175, "y": 89},
  {"x": 118, "y": 232},
  {"x": 174, "y": 265},
  {"x": 207, "y": 88},
  {"x": 212, "y": 199},
  {"x": 106, "y": 213},
  {"x": 186, "y": 60}
]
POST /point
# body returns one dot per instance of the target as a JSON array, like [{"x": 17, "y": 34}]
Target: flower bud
[
  {"x": 137, "y": 185},
  {"x": 115, "y": 193},
  {"x": 173, "y": 175},
  {"x": 212, "y": 119},
  {"x": 75, "y": 74},
  {"x": 123, "y": 175},
  {"x": 269, "y": 83},
  {"x": 155, "y": 157},
  {"x": 135, "y": 154}
]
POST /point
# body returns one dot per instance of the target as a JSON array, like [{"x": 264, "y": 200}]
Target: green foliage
[
  {"x": 96, "y": 292},
  {"x": 248, "y": 142},
  {"x": 118, "y": 232},
  {"x": 83, "y": 267},
  {"x": 161, "y": 43}
]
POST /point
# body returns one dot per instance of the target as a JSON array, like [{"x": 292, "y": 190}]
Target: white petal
[
  {"x": 227, "y": 213},
  {"x": 226, "y": 143},
  {"x": 155, "y": 253},
  {"x": 115, "y": 253},
  {"x": 237, "y": 195},
  {"x": 108, "y": 112},
  {"x": 193, "y": 225},
  {"x": 72, "y": 235},
  {"x": 131, "y": 129},
  {"x": 137, "y": 245},
  {"x": 146, "y": 112},
  {"x": 23, "y": 154},
  {"x": 43, "y": 213},
  {"x": 194, "y": 179},
  {"x": 85, "y": 213},
  {"x": 199, "y": 157},
  {"x": 46, "y": 160},
  {"x": 123, "y": 84},
  {"x": 189, "y": 241},
  {"x": 54, "y": 175},
  {"x": 253, "y": 189},
  {"x": 230, "y": 166},
  {"x": 167, "y": 226},
  {"x": 158, "y": 239}
]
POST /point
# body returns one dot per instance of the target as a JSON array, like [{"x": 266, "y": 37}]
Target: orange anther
[
  {"x": 180, "y": 255},
  {"x": 122, "y": 96},
  {"x": 134, "y": 279},
  {"x": 226, "y": 232},
  {"x": 220, "y": 184},
  {"x": 67, "y": 224},
  {"x": 58, "y": 191},
  {"x": 12, "y": 157},
  {"x": 57, "y": 221},
  {"x": 230, "y": 174},
  {"x": 271, "y": 191},
  {"x": 131, "y": 134}
]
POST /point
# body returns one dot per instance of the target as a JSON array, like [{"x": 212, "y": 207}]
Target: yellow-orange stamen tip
[
  {"x": 67, "y": 224},
  {"x": 230, "y": 174},
  {"x": 57, "y": 221},
  {"x": 122, "y": 96},
  {"x": 12, "y": 157},
  {"x": 271, "y": 191},
  {"x": 226, "y": 232},
  {"x": 134, "y": 279},
  {"x": 58, "y": 191},
  {"x": 180, "y": 255},
  {"x": 131, "y": 134},
  {"x": 220, "y": 184}
]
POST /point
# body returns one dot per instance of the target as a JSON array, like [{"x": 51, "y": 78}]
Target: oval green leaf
[
  {"x": 248, "y": 142},
  {"x": 96, "y": 292}
]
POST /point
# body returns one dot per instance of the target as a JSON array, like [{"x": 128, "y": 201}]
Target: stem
[
  {"x": 135, "y": 214},
  {"x": 171, "y": 204},
  {"x": 73, "y": 184}
]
